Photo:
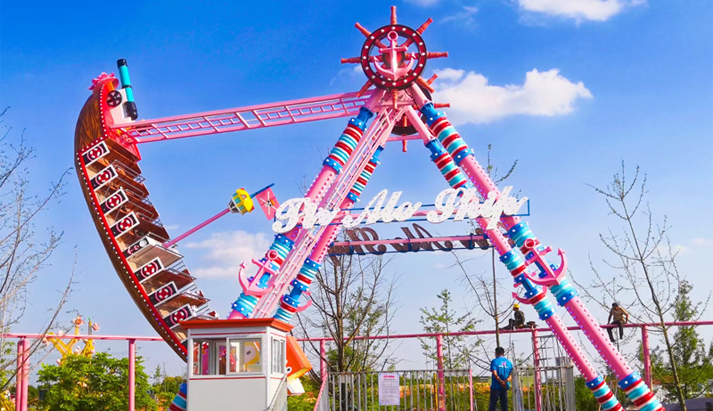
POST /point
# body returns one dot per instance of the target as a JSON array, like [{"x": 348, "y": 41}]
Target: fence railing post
[
  {"x": 470, "y": 387},
  {"x": 25, "y": 373},
  {"x": 441, "y": 376},
  {"x": 322, "y": 360},
  {"x": 536, "y": 369},
  {"x": 132, "y": 372},
  {"x": 22, "y": 376},
  {"x": 647, "y": 355}
]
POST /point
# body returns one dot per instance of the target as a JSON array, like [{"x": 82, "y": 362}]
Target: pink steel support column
[
  {"x": 536, "y": 369},
  {"x": 345, "y": 192},
  {"x": 647, "y": 355},
  {"x": 534, "y": 295},
  {"x": 341, "y": 155},
  {"x": 322, "y": 360},
  {"x": 132, "y": 371},
  {"x": 441, "y": 376},
  {"x": 549, "y": 276}
]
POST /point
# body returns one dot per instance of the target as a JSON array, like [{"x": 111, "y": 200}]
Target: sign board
[
  {"x": 458, "y": 204},
  {"x": 389, "y": 388}
]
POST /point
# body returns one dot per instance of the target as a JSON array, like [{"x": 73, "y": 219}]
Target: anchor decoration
[
  {"x": 549, "y": 274},
  {"x": 252, "y": 285},
  {"x": 395, "y": 62}
]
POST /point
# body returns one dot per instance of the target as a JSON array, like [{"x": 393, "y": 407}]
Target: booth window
[
  {"x": 278, "y": 356},
  {"x": 245, "y": 356},
  {"x": 201, "y": 358}
]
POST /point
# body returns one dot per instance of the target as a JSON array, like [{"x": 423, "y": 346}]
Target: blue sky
[{"x": 568, "y": 88}]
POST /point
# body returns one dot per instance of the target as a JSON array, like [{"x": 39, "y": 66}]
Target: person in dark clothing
[
  {"x": 620, "y": 317},
  {"x": 519, "y": 320},
  {"x": 501, "y": 368}
]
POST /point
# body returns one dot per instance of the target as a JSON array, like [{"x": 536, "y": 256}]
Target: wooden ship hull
[{"x": 127, "y": 222}]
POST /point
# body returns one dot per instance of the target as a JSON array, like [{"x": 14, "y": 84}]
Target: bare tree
[
  {"x": 352, "y": 298},
  {"x": 486, "y": 288},
  {"x": 642, "y": 257},
  {"x": 23, "y": 252}
]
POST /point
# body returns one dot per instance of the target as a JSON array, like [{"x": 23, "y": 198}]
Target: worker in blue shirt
[{"x": 501, "y": 368}]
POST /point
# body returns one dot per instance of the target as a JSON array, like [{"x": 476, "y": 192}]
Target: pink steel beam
[
  {"x": 304, "y": 239},
  {"x": 553, "y": 321},
  {"x": 83, "y": 337},
  {"x": 196, "y": 228},
  {"x": 473, "y": 237},
  {"x": 550, "y": 276},
  {"x": 208, "y": 221},
  {"x": 245, "y": 118},
  {"x": 522, "y": 330},
  {"x": 318, "y": 240}
]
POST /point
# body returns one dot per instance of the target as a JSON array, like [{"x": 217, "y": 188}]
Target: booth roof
[{"x": 236, "y": 323}]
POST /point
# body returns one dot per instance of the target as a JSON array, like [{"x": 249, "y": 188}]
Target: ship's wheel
[
  {"x": 386, "y": 59},
  {"x": 393, "y": 57}
]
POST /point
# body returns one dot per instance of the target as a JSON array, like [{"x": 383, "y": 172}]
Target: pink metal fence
[
  {"x": 23, "y": 354},
  {"x": 23, "y": 361},
  {"x": 534, "y": 333}
]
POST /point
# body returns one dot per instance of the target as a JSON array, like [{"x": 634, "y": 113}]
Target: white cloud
[
  {"x": 464, "y": 16},
  {"x": 349, "y": 75},
  {"x": 594, "y": 10},
  {"x": 225, "y": 251},
  {"x": 702, "y": 242},
  {"x": 423, "y": 3},
  {"x": 475, "y": 101}
]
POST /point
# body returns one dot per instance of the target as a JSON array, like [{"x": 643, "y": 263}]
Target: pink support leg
[
  {"x": 22, "y": 376},
  {"x": 340, "y": 155},
  {"x": 322, "y": 360},
  {"x": 536, "y": 369},
  {"x": 647, "y": 354},
  {"x": 25, "y": 374},
  {"x": 132, "y": 372},
  {"x": 441, "y": 374},
  {"x": 463, "y": 155}
]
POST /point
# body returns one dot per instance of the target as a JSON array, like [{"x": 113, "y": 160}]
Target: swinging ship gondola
[{"x": 107, "y": 166}]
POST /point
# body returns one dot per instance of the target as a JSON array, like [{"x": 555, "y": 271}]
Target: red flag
[{"x": 268, "y": 202}]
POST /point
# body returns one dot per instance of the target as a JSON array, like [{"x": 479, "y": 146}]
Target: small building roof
[{"x": 238, "y": 323}]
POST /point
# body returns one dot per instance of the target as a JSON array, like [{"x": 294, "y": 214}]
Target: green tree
[
  {"x": 694, "y": 362},
  {"x": 444, "y": 320},
  {"x": 165, "y": 387},
  {"x": 99, "y": 383},
  {"x": 306, "y": 401}
]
